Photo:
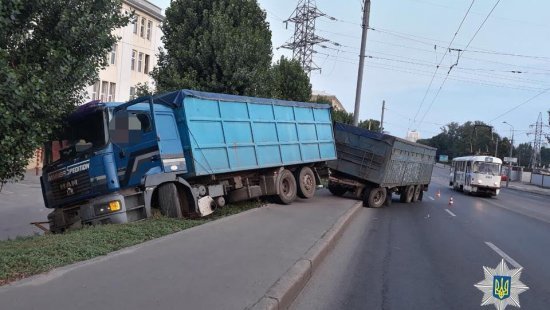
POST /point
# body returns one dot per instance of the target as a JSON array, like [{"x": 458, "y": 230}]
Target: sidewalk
[
  {"x": 526, "y": 187},
  {"x": 226, "y": 264}
]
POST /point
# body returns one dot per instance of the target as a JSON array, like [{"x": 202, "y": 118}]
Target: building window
[
  {"x": 149, "y": 29},
  {"x": 104, "y": 90},
  {"x": 112, "y": 90},
  {"x": 140, "y": 61},
  {"x": 113, "y": 55},
  {"x": 135, "y": 24},
  {"x": 132, "y": 92},
  {"x": 133, "y": 61},
  {"x": 146, "y": 66},
  {"x": 142, "y": 28},
  {"x": 95, "y": 90}
]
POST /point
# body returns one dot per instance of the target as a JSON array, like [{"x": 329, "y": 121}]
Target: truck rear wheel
[
  {"x": 374, "y": 197},
  {"x": 286, "y": 187},
  {"x": 306, "y": 182},
  {"x": 169, "y": 201},
  {"x": 417, "y": 191}
]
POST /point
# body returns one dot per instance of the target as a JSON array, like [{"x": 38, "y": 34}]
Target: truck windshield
[
  {"x": 486, "y": 168},
  {"x": 79, "y": 137}
]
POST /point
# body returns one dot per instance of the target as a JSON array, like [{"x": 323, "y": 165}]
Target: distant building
[
  {"x": 133, "y": 56},
  {"x": 336, "y": 104},
  {"x": 413, "y": 135}
]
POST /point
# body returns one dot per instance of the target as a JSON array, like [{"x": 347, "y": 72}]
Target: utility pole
[
  {"x": 511, "y": 149},
  {"x": 365, "y": 25},
  {"x": 382, "y": 118}
]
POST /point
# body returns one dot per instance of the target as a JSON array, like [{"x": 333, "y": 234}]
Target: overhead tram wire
[
  {"x": 446, "y": 77},
  {"x": 441, "y": 61},
  {"x": 522, "y": 104}
]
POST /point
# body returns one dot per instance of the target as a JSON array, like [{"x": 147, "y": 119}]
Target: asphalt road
[
  {"x": 429, "y": 255},
  {"x": 20, "y": 204}
]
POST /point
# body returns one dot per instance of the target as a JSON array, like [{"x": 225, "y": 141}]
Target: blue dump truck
[
  {"x": 372, "y": 166},
  {"x": 185, "y": 153}
]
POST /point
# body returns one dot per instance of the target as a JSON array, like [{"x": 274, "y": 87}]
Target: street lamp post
[{"x": 511, "y": 152}]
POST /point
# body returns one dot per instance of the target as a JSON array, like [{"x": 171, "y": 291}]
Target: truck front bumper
[{"x": 97, "y": 211}]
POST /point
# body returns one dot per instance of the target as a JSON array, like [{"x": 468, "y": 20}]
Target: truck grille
[{"x": 77, "y": 184}]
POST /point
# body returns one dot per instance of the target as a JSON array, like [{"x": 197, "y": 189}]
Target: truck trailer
[
  {"x": 185, "y": 153},
  {"x": 372, "y": 166}
]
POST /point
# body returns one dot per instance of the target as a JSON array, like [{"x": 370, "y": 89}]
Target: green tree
[
  {"x": 467, "y": 139},
  {"x": 50, "y": 50},
  {"x": 143, "y": 89},
  {"x": 215, "y": 45},
  {"x": 370, "y": 124},
  {"x": 524, "y": 151},
  {"x": 342, "y": 117},
  {"x": 289, "y": 81}
]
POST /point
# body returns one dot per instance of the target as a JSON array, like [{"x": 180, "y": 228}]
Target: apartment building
[
  {"x": 133, "y": 56},
  {"x": 335, "y": 102}
]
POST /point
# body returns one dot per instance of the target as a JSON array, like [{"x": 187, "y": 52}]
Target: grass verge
[{"x": 27, "y": 256}]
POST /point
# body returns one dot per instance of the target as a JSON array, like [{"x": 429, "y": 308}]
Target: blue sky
[{"x": 480, "y": 87}]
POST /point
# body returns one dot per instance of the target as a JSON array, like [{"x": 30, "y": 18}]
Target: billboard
[{"x": 443, "y": 158}]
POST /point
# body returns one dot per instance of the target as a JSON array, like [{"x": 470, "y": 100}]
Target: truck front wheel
[
  {"x": 374, "y": 197},
  {"x": 169, "y": 201},
  {"x": 287, "y": 187},
  {"x": 306, "y": 182}
]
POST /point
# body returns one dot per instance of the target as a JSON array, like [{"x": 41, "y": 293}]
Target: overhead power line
[{"x": 521, "y": 104}]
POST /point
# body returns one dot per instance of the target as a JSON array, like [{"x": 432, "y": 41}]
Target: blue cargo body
[{"x": 226, "y": 133}]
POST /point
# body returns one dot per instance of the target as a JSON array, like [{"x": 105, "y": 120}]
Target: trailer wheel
[
  {"x": 336, "y": 190},
  {"x": 374, "y": 197},
  {"x": 421, "y": 195},
  {"x": 306, "y": 183},
  {"x": 287, "y": 187},
  {"x": 169, "y": 201},
  {"x": 407, "y": 194},
  {"x": 417, "y": 191}
]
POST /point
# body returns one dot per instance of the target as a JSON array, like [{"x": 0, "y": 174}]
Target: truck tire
[
  {"x": 421, "y": 195},
  {"x": 336, "y": 190},
  {"x": 306, "y": 183},
  {"x": 417, "y": 191},
  {"x": 407, "y": 194},
  {"x": 374, "y": 197},
  {"x": 169, "y": 201},
  {"x": 286, "y": 187}
]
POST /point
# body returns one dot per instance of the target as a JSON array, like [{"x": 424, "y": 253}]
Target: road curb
[
  {"x": 541, "y": 192},
  {"x": 283, "y": 292}
]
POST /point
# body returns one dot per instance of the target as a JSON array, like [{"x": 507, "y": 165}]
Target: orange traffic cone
[
  {"x": 451, "y": 202},
  {"x": 438, "y": 195}
]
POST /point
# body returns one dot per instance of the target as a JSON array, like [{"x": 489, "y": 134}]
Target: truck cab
[{"x": 95, "y": 172}]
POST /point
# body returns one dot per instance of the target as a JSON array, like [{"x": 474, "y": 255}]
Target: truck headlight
[{"x": 479, "y": 181}]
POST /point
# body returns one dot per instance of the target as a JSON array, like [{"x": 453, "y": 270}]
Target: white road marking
[
  {"x": 432, "y": 198},
  {"x": 451, "y": 213},
  {"x": 6, "y": 192},
  {"x": 503, "y": 255}
]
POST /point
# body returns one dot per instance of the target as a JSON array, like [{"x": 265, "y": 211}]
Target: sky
[{"x": 502, "y": 74}]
